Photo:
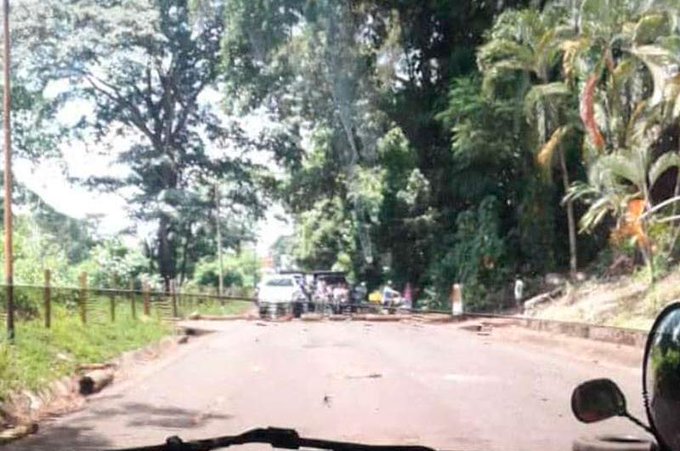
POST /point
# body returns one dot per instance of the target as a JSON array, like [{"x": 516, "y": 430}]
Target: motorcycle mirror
[
  {"x": 661, "y": 377},
  {"x": 597, "y": 400}
]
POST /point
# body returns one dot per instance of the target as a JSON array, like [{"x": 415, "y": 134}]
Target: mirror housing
[
  {"x": 597, "y": 400},
  {"x": 661, "y": 378}
]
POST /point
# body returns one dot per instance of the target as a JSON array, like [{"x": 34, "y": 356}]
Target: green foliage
[
  {"x": 476, "y": 257},
  {"x": 239, "y": 271},
  {"x": 142, "y": 67}
]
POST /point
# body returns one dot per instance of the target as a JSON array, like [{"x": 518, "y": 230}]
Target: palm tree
[
  {"x": 625, "y": 61},
  {"x": 529, "y": 44}
]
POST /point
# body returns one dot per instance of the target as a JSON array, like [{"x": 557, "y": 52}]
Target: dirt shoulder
[
  {"x": 585, "y": 350},
  {"x": 625, "y": 302}
]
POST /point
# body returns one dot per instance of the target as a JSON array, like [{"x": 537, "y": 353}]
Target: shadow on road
[
  {"x": 63, "y": 438},
  {"x": 166, "y": 417},
  {"x": 120, "y": 420}
]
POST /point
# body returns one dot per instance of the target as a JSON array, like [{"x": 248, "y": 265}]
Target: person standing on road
[
  {"x": 519, "y": 291},
  {"x": 389, "y": 294}
]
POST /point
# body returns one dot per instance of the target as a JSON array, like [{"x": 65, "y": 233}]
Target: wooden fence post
[
  {"x": 147, "y": 299},
  {"x": 48, "y": 299},
  {"x": 173, "y": 293},
  {"x": 112, "y": 298},
  {"x": 83, "y": 297},
  {"x": 131, "y": 293}
]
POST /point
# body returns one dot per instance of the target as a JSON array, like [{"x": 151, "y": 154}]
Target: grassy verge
[
  {"x": 40, "y": 355},
  {"x": 216, "y": 308}
]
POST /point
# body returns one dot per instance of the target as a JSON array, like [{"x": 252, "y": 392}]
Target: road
[{"x": 383, "y": 383}]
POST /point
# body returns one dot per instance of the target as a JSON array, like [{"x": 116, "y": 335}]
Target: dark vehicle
[{"x": 600, "y": 399}]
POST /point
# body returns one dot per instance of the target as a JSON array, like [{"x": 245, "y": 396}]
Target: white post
[{"x": 457, "y": 300}]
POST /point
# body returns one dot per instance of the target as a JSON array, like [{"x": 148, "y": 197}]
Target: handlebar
[{"x": 277, "y": 438}]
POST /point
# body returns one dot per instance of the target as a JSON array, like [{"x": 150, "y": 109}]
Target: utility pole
[
  {"x": 9, "y": 270},
  {"x": 218, "y": 226}
]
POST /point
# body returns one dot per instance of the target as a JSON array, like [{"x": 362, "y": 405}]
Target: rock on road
[{"x": 382, "y": 383}]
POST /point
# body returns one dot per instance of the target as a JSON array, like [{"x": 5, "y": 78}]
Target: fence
[{"x": 48, "y": 304}]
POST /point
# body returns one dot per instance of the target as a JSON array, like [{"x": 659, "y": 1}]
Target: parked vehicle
[
  {"x": 303, "y": 302},
  {"x": 277, "y": 293},
  {"x": 600, "y": 399}
]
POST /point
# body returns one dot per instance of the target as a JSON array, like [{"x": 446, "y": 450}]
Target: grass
[
  {"x": 40, "y": 355},
  {"x": 216, "y": 308}
]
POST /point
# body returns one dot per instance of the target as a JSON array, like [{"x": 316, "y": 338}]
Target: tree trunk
[
  {"x": 571, "y": 222},
  {"x": 185, "y": 257},
  {"x": 166, "y": 261}
]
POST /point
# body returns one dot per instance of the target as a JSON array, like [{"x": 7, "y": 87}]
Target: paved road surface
[{"x": 383, "y": 383}]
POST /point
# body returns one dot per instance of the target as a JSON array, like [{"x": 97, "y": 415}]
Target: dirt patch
[{"x": 626, "y": 302}]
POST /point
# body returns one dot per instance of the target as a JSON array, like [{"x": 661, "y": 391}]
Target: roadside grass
[
  {"x": 40, "y": 355},
  {"x": 217, "y": 308}
]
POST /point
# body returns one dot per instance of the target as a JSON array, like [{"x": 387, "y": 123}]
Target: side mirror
[
  {"x": 661, "y": 377},
  {"x": 598, "y": 400}
]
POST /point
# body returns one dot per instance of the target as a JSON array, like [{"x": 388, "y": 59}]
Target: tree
[
  {"x": 620, "y": 59},
  {"x": 148, "y": 69},
  {"x": 529, "y": 43}
]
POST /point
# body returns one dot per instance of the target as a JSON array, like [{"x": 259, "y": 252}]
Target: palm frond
[
  {"x": 658, "y": 60},
  {"x": 588, "y": 112},
  {"x": 623, "y": 167},
  {"x": 545, "y": 93},
  {"x": 546, "y": 153},
  {"x": 650, "y": 27},
  {"x": 505, "y": 53},
  {"x": 662, "y": 164}
]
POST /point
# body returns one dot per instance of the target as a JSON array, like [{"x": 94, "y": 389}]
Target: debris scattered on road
[
  {"x": 365, "y": 376},
  {"x": 184, "y": 339},
  {"x": 327, "y": 400},
  {"x": 95, "y": 380},
  {"x": 261, "y": 323}
]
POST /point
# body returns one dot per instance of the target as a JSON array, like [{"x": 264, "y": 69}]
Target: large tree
[{"x": 147, "y": 70}]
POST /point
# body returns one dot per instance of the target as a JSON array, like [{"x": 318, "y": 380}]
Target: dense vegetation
[
  {"x": 424, "y": 142},
  {"x": 459, "y": 141}
]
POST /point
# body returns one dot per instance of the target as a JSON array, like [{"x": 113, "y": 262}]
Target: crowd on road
[{"x": 327, "y": 292}]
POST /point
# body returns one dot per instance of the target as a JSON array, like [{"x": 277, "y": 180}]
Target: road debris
[
  {"x": 365, "y": 376},
  {"x": 94, "y": 381}
]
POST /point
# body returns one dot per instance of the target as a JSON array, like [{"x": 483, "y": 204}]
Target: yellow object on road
[{"x": 375, "y": 297}]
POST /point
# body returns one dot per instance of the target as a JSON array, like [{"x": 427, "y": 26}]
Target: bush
[{"x": 475, "y": 258}]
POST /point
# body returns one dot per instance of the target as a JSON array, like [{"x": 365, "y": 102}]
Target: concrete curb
[{"x": 617, "y": 335}]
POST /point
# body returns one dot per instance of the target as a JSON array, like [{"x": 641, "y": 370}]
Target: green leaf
[
  {"x": 650, "y": 27},
  {"x": 549, "y": 93},
  {"x": 662, "y": 164}
]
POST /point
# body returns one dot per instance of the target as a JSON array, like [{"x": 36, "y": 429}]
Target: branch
[{"x": 137, "y": 119}]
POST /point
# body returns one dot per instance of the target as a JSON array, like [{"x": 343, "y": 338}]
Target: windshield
[
  {"x": 279, "y": 283},
  {"x": 394, "y": 222}
]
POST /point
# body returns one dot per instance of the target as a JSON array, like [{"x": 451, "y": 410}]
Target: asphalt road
[{"x": 382, "y": 383}]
